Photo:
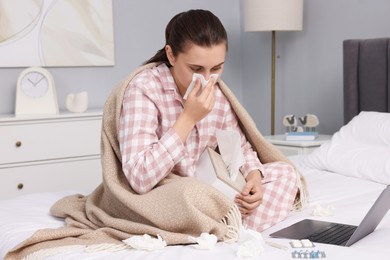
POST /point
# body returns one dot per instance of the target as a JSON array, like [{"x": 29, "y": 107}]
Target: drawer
[
  {"x": 49, "y": 140},
  {"x": 80, "y": 175}
]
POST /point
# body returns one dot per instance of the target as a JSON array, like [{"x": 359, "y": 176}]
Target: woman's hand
[
  {"x": 252, "y": 195},
  {"x": 200, "y": 102},
  {"x": 198, "y": 105}
]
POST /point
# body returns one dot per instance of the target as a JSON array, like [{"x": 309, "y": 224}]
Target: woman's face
[{"x": 196, "y": 59}]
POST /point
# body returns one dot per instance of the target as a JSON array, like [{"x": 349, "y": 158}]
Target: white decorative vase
[{"x": 77, "y": 103}]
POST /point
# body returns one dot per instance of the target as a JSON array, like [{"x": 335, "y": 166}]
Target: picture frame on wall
[{"x": 56, "y": 33}]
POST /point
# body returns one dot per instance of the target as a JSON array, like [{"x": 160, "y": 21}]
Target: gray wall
[
  {"x": 139, "y": 28},
  {"x": 308, "y": 70}
]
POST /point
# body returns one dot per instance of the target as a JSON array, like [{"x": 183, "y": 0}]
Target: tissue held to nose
[{"x": 203, "y": 81}]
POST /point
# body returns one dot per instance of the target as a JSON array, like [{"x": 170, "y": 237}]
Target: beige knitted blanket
[{"x": 177, "y": 208}]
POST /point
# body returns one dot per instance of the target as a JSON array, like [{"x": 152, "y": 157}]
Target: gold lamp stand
[
  {"x": 273, "y": 15},
  {"x": 273, "y": 84}
]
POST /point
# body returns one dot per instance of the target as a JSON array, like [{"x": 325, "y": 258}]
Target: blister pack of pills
[{"x": 306, "y": 254}]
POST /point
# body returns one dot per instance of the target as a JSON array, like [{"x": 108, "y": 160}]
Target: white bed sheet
[{"x": 21, "y": 217}]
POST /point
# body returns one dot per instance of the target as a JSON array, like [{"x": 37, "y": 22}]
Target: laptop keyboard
[{"x": 335, "y": 234}]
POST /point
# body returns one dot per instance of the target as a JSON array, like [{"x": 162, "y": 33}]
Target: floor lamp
[{"x": 273, "y": 15}]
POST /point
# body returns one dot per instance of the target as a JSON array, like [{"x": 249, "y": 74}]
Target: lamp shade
[{"x": 273, "y": 15}]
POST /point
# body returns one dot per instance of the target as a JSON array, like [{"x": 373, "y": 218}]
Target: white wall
[{"x": 308, "y": 70}]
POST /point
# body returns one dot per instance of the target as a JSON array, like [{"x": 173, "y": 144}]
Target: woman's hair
[{"x": 199, "y": 27}]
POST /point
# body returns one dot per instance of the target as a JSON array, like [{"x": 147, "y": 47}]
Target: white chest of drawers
[{"x": 49, "y": 153}]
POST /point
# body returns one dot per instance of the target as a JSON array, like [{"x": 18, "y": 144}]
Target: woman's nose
[{"x": 206, "y": 75}]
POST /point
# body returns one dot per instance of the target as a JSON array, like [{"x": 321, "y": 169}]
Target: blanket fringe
[
  {"x": 233, "y": 221},
  {"x": 300, "y": 202},
  {"x": 107, "y": 247}
]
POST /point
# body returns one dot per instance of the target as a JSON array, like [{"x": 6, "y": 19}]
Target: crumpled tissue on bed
[
  {"x": 145, "y": 242},
  {"x": 205, "y": 241},
  {"x": 320, "y": 211},
  {"x": 250, "y": 244}
]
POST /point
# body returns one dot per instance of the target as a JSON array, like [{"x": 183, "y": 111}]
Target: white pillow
[{"x": 359, "y": 149}]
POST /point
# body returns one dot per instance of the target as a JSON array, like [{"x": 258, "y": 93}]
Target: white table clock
[{"x": 36, "y": 93}]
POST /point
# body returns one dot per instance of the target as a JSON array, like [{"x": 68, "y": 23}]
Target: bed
[{"x": 339, "y": 191}]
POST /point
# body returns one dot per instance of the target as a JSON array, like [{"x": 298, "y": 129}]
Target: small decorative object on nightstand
[
  {"x": 77, "y": 103},
  {"x": 35, "y": 92},
  {"x": 306, "y": 132},
  {"x": 291, "y": 123},
  {"x": 296, "y": 147},
  {"x": 309, "y": 122}
]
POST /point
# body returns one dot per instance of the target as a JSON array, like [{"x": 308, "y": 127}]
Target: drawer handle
[
  {"x": 18, "y": 144},
  {"x": 20, "y": 186}
]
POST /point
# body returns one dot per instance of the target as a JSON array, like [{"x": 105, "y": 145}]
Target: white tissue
[
  {"x": 320, "y": 211},
  {"x": 145, "y": 242},
  {"x": 203, "y": 81},
  {"x": 205, "y": 241},
  {"x": 251, "y": 243},
  {"x": 77, "y": 103},
  {"x": 229, "y": 144}
]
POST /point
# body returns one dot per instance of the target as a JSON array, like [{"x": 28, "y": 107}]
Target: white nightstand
[{"x": 296, "y": 147}]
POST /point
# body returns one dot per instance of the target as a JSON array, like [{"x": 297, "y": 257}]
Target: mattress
[{"x": 349, "y": 198}]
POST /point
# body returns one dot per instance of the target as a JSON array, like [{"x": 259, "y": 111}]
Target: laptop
[{"x": 336, "y": 233}]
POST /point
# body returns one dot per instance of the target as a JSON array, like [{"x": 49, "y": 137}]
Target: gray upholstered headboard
[{"x": 366, "y": 76}]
